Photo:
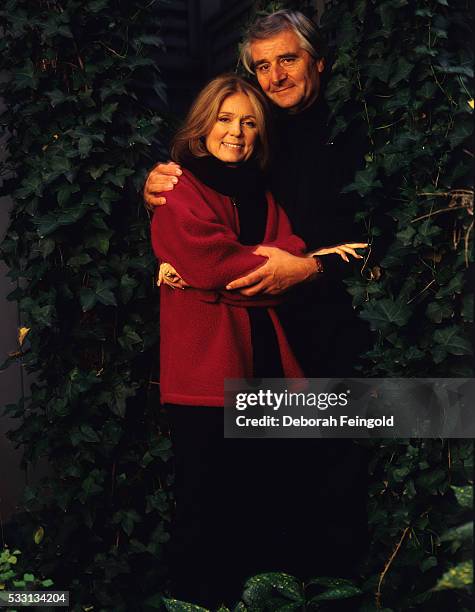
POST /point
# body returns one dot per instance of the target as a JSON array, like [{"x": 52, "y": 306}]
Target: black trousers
[{"x": 245, "y": 506}]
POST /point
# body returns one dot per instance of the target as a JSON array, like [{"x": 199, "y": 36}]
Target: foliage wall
[
  {"x": 80, "y": 79},
  {"x": 404, "y": 69}
]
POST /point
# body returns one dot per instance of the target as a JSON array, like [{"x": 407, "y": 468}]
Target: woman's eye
[
  {"x": 249, "y": 124},
  {"x": 223, "y": 119}
]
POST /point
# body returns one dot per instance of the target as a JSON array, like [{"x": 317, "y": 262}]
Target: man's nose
[{"x": 277, "y": 74}]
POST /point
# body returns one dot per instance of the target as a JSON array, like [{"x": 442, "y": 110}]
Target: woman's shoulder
[
  {"x": 188, "y": 196},
  {"x": 187, "y": 182}
]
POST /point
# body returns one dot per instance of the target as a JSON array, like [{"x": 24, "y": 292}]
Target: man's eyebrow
[{"x": 266, "y": 61}]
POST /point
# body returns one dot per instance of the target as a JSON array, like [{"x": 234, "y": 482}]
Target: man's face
[{"x": 288, "y": 75}]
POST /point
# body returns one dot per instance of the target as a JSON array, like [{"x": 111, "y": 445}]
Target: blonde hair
[{"x": 203, "y": 114}]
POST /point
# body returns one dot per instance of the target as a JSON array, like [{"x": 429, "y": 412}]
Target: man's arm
[
  {"x": 162, "y": 177},
  {"x": 283, "y": 270}
]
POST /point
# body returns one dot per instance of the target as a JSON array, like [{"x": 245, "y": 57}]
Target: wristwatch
[{"x": 319, "y": 266}]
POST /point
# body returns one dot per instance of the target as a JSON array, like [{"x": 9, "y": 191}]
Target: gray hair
[{"x": 280, "y": 21}]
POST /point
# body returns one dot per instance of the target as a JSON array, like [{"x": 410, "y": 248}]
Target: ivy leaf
[
  {"x": 258, "y": 588},
  {"x": 331, "y": 582},
  {"x": 84, "y": 146},
  {"x": 458, "y": 577},
  {"x": 88, "y": 298},
  {"x": 79, "y": 260},
  {"x": 438, "y": 310},
  {"x": 402, "y": 71},
  {"x": 25, "y": 77},
  {"x": 365, "y": 181},
  {"x": 467, "y": 308},
  {"x": 176, "y": 605},
  {"x": 461, "y": 533},
  {"x": 39, "y": 535},
  {"x": 104, "y": 294},
  {"x": 339, "y": 87},
  {"x": 88, "y": 434},
  {"x": 99, "y": 241},
  {"x": 452, "y": 342},
  {"x": 343, "y": 592},
  {"x": 97, "y": 5},
  {"x": 382, "y": 314},
  {"x": 464, "y": 496}
]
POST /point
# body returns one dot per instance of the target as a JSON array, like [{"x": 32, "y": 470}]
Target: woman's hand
[
  {"x": 169, "y": 276},
  {"x": 342, "y": 250}
]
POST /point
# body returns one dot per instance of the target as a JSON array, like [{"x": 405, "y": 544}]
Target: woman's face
[{"x": 234, "y": 135}]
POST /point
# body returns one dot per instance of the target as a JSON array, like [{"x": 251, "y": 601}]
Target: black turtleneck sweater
[{"x": 307, "y": 175}]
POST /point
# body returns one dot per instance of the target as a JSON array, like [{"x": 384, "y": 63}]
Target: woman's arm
[{"x": 189, "y": 235}]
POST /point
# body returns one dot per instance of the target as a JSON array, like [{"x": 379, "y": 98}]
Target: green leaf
[
  {"x": 327, "y": 581},
  {"x": 99, "y": 241},
  {"x": 402, "y": 71},
  {"x": 25, "y": 77},
  {"x": 343, "y": 592},
  {"x": 104, "y": 294},
  {"x": 259, "y": 588},
  {"x": 406, "y": 235},
  {"x": 365, "y": 181},
  {"x": 84, "y": 146},
  {"x": 438, "y": 310},
  {"x": 339, "y": 87},
  {"x": 464, "y": 496},
  {"x": 88, "y": 298},
  {"x": 79, "y": 260},
  {"x": 460, "y": 534},
  {"x": 97, "y": 5},
  {"x": 467, "y": 308},
  {"x": 175, "y": 605},
  {"x": 88, "y": 434},
  {"x": 381, "y": 314},
  {"x": 457, "y": 577},
  {"x": 451, "y": 341},
  {"x": 428, "y": 563},
  {"x": 38, "y": 535}
]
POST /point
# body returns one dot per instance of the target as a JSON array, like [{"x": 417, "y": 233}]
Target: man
[{"x": 320, "y": 479}]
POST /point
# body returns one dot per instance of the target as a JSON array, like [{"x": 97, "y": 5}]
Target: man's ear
[{"x": 320, "y": 64}]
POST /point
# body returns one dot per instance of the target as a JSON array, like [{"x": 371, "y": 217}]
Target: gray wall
[{"x": 11, "y": 477}]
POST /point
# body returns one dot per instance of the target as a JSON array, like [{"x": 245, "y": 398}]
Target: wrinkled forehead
[{"x": 282, "y": 43}]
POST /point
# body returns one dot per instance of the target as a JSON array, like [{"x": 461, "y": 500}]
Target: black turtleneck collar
[
  {"x": 245, "y": 184},
  {"x": 240, "y": 181},
  {"x": 317, "y": 112}
]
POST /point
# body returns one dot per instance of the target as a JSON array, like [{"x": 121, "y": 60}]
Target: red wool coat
[{"x": 205, "y": 333}]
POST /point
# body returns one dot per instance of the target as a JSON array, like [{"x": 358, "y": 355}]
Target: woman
[{"x": 208, "y": 231}]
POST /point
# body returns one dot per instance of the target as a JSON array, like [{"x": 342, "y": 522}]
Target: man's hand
[
  {"x": 342, "y": 250},
  {"x": 281, "y": 271},
  {"x": 162, "y": 178}
]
